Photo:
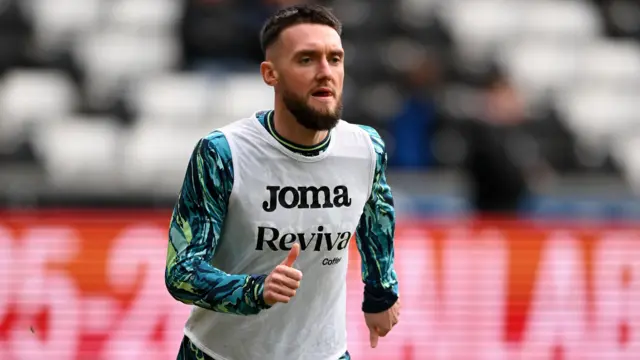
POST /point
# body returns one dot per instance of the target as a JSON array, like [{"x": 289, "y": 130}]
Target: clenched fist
[{"x": 284, "y": 280}]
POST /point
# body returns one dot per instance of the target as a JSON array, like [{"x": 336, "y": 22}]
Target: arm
[
  {"x": 374, "y": 237},
  {"x": 194, "y": 234}
]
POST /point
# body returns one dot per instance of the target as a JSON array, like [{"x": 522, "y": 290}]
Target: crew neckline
[
  {"x": 306, "y": 150},
  {"x": 296, "y": 155}
]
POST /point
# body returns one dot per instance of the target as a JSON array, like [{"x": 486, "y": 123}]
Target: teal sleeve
[
  {"x": 195, "y": 230},
  {"x": 375, "y": 236}
]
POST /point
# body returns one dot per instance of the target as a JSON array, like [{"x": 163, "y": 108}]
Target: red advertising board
[{"x": 76, "y": 286}]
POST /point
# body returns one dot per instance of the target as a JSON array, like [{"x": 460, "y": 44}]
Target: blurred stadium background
[{"x": 527, "y": 109}]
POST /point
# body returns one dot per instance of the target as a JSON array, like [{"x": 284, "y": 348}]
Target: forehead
[{"x": 310, "y": 37}]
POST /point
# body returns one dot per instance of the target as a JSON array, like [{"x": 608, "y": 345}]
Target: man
[{"x": 259, "y": 236}]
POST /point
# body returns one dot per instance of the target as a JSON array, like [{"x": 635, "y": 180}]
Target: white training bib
[{"x": 279, "y": 198}]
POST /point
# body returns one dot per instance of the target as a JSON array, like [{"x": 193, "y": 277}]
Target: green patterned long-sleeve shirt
[
  {"x": 374, "y": 237},
  {"x": 198, "y": 219},
  {"x": 194, "y": 235}
]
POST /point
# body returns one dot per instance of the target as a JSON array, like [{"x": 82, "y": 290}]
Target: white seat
[
  {"x": 598, "y": 114},
  {"x": 157, "y": 155},
  {"x": 29, "y": 97},
  {"x": 240, "y": 95},
  {"x": 566, "y": 20},
  {"x": 144, "y": 15},
  {"x": 627, "y": 153},
  {"x": 174, "y": 121},
  {"x": 57, "y": 22},
  {"x": 80, "y": 153},
  {"x": 609, "y": 62},
  {"x": 538, "y": 67},
  {"x": 479, "y": 26},
  {"x": 112, "y": 59},
  {"x": 172, "y": 96}
]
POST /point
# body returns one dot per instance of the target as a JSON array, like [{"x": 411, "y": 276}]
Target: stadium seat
[
  {"x": 239, "y": 96},
  {"x": 57, "y": 22},
  {"x": 156, "y": 156},
  {"x": 112, "y": 59},
  {"x": 560, "y": 20},
  {"x": 627, "y": 152},
  {"x": 172, "y": 96},
  {"x": 144, "y": 15},
  {"x": 31, "y": 97},
  {"x": 480, "y": 26},
  {"x": 608, "y": 62},
  {"x": 79, "y": 153},
  {"x": 176, "y": 121},
  {"x": 598, "y": 115},
  {"x": 538, "y": 67}
]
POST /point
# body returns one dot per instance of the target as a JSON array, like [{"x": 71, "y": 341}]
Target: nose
[{"x": 324, "y": 71}]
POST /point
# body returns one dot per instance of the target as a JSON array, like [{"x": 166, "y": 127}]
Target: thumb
[
  {"x": 373, "y": 337},
  {"x": 293, "y": 255}
]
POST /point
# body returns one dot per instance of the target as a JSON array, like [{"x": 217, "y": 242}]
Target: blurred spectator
[
  {"x": 222, "y": 30},
  {"x": 621, "y": 17},
  {"x": 499, "y": 154},
  {"x": 223, "y": 34},
  {"x": 413, "y": 127},
  {"x": 15, "y": 35}
]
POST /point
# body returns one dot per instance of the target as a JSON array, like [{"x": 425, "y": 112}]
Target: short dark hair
[{"x": 294, "y": 15}]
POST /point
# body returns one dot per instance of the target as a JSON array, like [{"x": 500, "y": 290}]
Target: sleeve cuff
[
  {"x": 257, "y": 292},
  {"x": 378, "y": 300}
]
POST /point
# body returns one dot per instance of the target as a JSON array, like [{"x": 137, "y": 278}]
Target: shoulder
[
  {"x": 213, "y": 156},
  {"x": 218, "y": 140},
  {"x": 215, "y": 144},
  {"x": 243, "y": 130},
  {"x": 378, "y": 146},
  {"x": 365, "y": 131},
  {"x": 370, "y": 134},
  {"x": 376, "y": 139}
]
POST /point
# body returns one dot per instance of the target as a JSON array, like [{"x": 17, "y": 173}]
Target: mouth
[{"x": 322, "y": 93}]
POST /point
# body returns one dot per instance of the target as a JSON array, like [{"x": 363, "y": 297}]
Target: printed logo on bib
[
  {"x": 306, "y": 197},
  {"x": 271, "y": 238}
]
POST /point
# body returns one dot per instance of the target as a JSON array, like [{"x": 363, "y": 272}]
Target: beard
[{"x": 309, "y": 117}]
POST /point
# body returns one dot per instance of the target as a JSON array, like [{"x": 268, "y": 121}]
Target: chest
[
  {"x": 317, "y": 205},
  {"x": 302, "y": 195}
]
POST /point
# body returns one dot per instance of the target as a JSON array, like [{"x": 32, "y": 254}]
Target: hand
[
  {"x": 282, "y": 283},
  {"x": 380, "y": 324}
]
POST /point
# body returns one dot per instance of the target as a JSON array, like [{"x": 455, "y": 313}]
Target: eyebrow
[{"x": 309, "y": 52}]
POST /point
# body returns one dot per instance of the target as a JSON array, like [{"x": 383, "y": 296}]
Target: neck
[{"x": 287, "y": 126}]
